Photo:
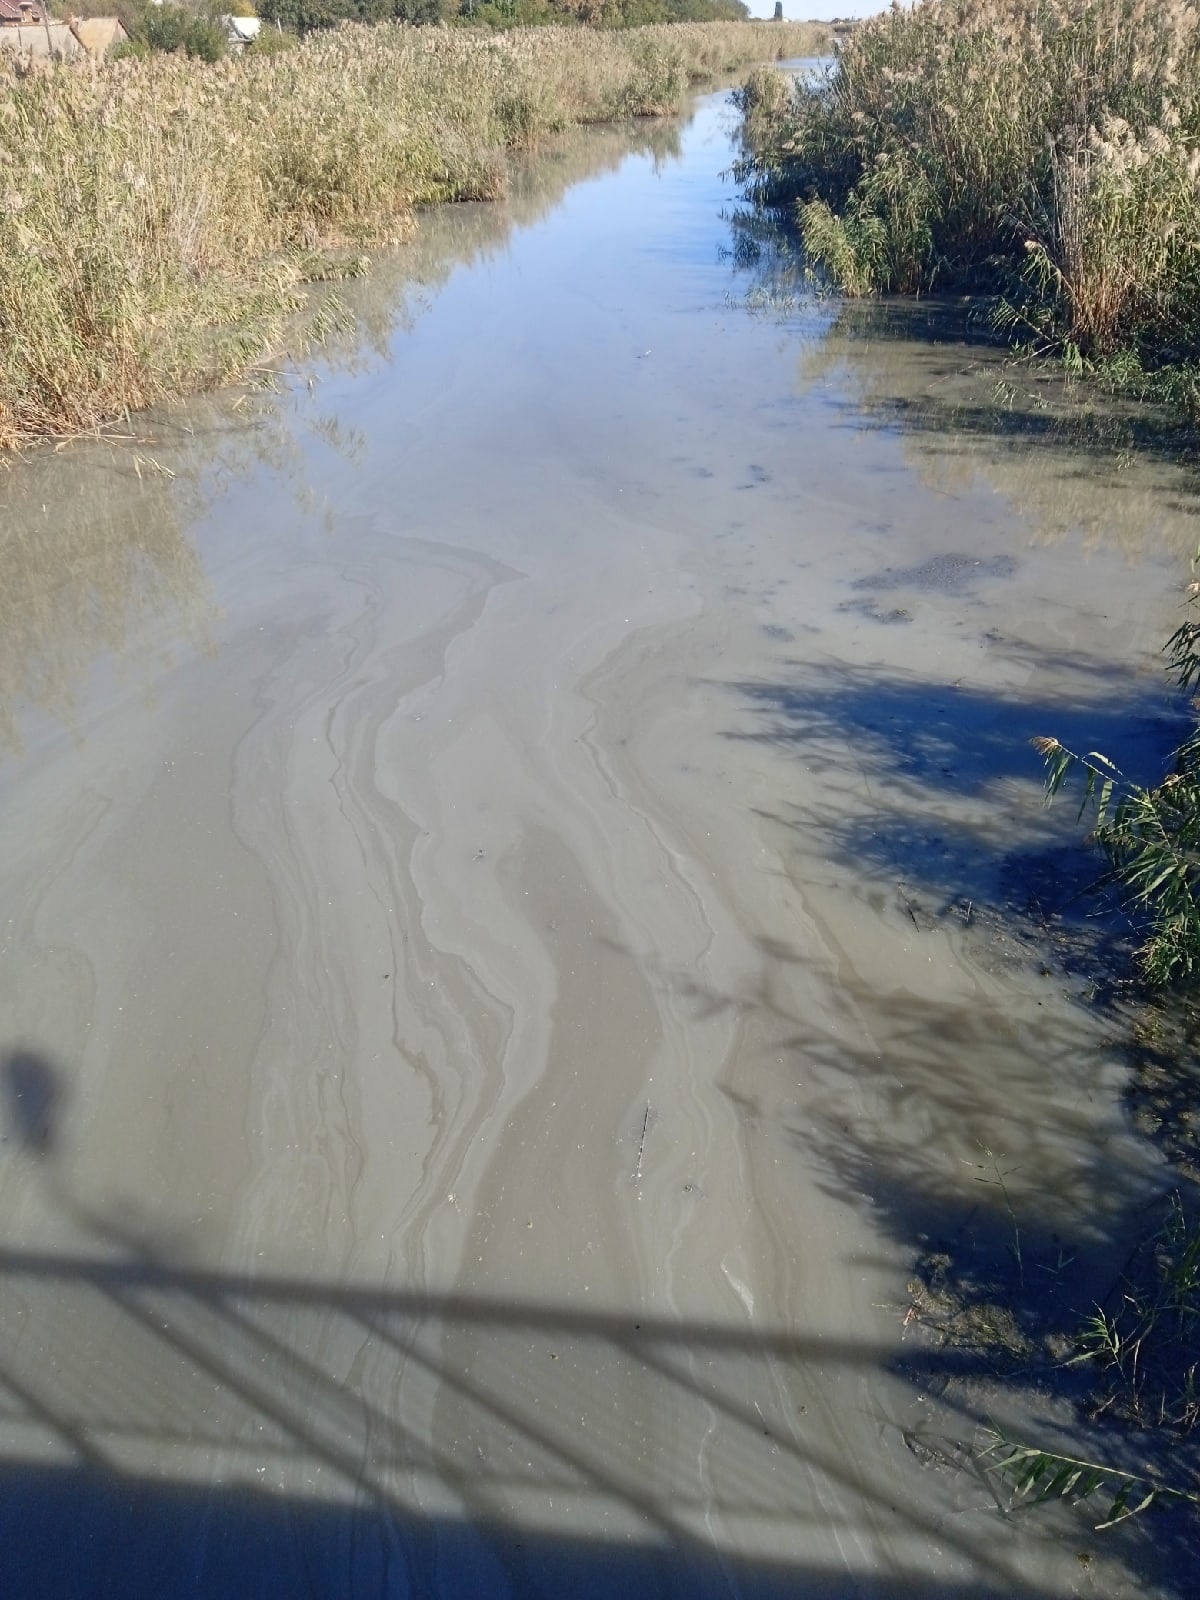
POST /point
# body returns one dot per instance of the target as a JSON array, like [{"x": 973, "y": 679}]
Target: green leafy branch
[
  {"x": 1038, "y": 1475},
  {"x": 1146, "y": 1356},
  {"x": 1151, "y": 836}
]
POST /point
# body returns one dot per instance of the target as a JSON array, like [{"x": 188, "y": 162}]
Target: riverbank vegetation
[
  {"x": 1142, "y": 1379},
  {"x": 197, "y": 26},
  {"x": 157, "y": 234},
  {"x": 1143, "y": 1347},
  {"x": 302, "y": 16},
  {"x": 1045, "y": 152},
  {"x": 1150, "y": 833},
  {"x": 1041, "y": 159}
]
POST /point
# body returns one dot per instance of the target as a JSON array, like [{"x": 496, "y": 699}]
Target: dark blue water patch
[{"x": 945, "y": 574}]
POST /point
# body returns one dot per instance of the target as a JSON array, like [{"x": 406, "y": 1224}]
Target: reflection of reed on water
[
  {"x": 92, "y": 551},
  {"x": 1071, "y": 459},
  {"x": 95, "y": 556},
  {"x": 386, "y": 299}
]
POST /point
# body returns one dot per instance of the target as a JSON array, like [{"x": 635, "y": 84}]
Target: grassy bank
[
  {"x": 1045, "y": 150},
  {"x": 117, "y": 519},
  {"x": 155, "y": 236}
]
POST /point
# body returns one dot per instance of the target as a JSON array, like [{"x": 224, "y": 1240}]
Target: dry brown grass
[{"x": 158, "y": 233}]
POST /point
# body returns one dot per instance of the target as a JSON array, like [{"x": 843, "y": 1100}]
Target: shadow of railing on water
[
  {"x": 253, "y": 1368},
  {"x": 992, "y": 1156},
  {"x": 171, "y": 1430},
  {"x": 992, "y": 1136}
]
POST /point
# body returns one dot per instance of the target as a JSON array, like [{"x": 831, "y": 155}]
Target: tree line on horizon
[{"x": 193, "y": 26}]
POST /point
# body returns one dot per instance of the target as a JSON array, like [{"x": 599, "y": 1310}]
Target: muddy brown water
[{"x": 520, "y": 887}]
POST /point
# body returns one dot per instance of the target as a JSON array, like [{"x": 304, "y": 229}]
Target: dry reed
[
  {"x": 1046, "y": 148},
  {"x": 156, "y": 233}
]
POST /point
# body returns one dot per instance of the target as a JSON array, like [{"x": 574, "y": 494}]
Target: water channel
[{"x": 518, "y": 857}]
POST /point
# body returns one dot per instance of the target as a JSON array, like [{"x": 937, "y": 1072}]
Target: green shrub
[
  {"x": 1150, "y": 833},
  {"x": 307, "y": 16},
  {"x": 172, "y": 28},
  {"x": 129, "y": 50},
  {"x": 271, "y": 42}
]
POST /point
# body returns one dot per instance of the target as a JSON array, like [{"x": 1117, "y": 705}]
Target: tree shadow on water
[
  {"x": 991, "y": 1155},
  {"x": 991, "y": 1144},
  {"x": 936, "y": 786},
  {"x": 992, "y": 1158},
  {"x": 953, "y": 737}
]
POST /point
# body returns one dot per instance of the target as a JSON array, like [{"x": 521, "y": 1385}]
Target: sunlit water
[{"x": 522, "y": 871}]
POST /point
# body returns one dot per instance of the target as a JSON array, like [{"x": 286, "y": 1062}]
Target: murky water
[{"x": 520, "y": 878}]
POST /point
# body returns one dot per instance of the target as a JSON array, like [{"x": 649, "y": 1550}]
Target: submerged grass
[
  {"x": 156, "y": 235},
  {"x": 1144, "y": 1360},
  {"x": 1048, "y": 150}
]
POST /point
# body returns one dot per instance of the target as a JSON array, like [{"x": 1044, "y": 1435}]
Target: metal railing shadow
[{"x": 184, "y": 1391}]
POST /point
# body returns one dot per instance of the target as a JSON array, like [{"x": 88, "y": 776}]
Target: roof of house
[
  {"x": 10, "y": 11},
  {"x": 98, "y": 35}
]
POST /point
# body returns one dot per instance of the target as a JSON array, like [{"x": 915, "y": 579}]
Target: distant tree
[
  {"x": 706, "y": 11},
  {"x": 194, "y": 29},
  {"x": 305, "y": 16},
  {"x": 172, "y": 28},
  {"x": 509, "y": 13},
  {"x": 636, "y": 13}
]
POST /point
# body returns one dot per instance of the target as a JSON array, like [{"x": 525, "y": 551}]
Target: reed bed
[
  {"x": 157, "y": 232},
  {"x": 1046, "y": 149}
]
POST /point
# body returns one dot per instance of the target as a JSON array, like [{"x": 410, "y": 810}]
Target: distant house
[
  {"x": 46, "y": 41},
  {"x": 21, "y": 13},
  {"x": 98, "y": 35},
  {"x": 32, "y": 34},
  {"x": 239, "y": 31}
]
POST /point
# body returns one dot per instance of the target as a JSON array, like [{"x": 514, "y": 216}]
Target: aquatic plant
[
  {"x": 1150, "y": 833},
  {"x": 1146, "y": 1351},
  {"x": 1145, "y": 1357},
  {"x": 1046, "y": 150},
  {"x": 156, "y": 235}
]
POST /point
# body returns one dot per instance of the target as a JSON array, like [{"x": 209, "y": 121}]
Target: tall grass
[
  {"x": 115, "y": 516},
  {"x": 1048, "y": 149},
  {"x": 156, "y": 232}
]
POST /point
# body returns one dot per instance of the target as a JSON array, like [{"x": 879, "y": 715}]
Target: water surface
[{"x": 521, "y": 883}]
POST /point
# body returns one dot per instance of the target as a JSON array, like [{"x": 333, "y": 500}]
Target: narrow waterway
[{"x": 520, "y": 897}]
